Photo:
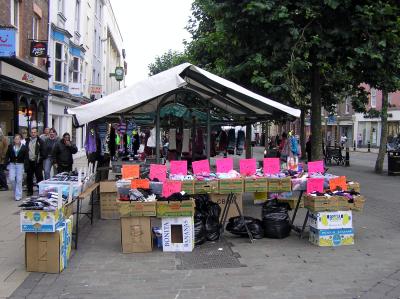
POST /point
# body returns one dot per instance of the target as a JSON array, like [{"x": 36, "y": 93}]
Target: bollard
[
  {"x": 369, "y": 146},
  {"x": 347, "y": 156},
  {"x": 354, "y": 146}
]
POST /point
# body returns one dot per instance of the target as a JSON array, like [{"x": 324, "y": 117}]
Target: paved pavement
[{"x": 288, "y": 268}]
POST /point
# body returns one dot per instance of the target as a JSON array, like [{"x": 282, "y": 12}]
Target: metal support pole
[
  {"x": 347, "y": 156},
  {"x": 158, "y": 132},
  {"x": 208, "y": 132},
  {"x": 248, "y": 142}
]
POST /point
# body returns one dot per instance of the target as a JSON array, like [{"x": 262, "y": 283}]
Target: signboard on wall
[
  {"x": 7, "y": 42},
  {"x": 95, "y": 90},
  {"x": 38, "y": 49}
]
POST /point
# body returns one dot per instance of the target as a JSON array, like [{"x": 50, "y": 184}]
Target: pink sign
[
  {"x": 171, "y": 187},
  {"x": 315, "y": 184},
  {"x": 201, "y": 167},
  {"x": 272, "y": 166},
  {"x": 316, "y": 166},
  {"x": 178, "y": 167},
  {"x": 224, "y": 165},
  {"x": 158, "y": 172},
  {"x": 248, "y": 166}
]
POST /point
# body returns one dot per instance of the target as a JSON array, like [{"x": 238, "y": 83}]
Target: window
[
  {"x": 61, "y": 6},
  {"x": 389, "y": 99},
  {"x": 14, "y": 16},
  {"x": 99, "y": 46},
  {"x": 77, "y": 14},
  {"x": 58, "y": 63},
  {"x": 95, "y": 43},
  {"x": 373, "y": 98},
  {"x": 347, "y": 106},
  {"x": 14, "y": 12},
  {"x": 94, "y": 77},
  {"x": 76, "y": 70}
]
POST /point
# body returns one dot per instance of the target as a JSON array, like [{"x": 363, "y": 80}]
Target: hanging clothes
[
  {"x": 240, "y": 142},
  {"x": 172, "y": 139},
  {"x": 185, "y": 141},
  {"x": 223, "y": 141},
  {"x": 231, "y": 141},
  {"x": 111, "y": 142},
  {"x": 90, "y": 143},
  {"x": 151, "y": 141}
]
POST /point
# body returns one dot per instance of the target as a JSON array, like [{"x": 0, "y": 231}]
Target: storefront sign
[
  {"x": 95, "y": 90},
  {"x": 75, "y": 89},
  {"x": 332, "y": 120},
  {"x": 38, "y": 49},
  {"x": 19, "y": 75},
  {"x": 7, "y": 42}
]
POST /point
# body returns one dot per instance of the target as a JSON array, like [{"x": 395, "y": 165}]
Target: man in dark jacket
[
  {"x": 62, "y": 153},
  {"x": 34, "y": 163}
]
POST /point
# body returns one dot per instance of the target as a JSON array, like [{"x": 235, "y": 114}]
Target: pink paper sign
[
  {"x": 171, "y": 187},
  {"x": 224, "y": 165},
  {"x": 315, "y": 184},
  {"x": 158, "y": 172},
  {"x": 248, "y": 166},
  {"x": 201, "y": 167},
  {"x": 272, "y": 166},
  {"x": 316, "y": 166},
  {"x": 178, "y": 167}
]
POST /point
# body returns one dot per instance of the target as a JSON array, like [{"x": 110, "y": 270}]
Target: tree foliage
[{"x": 166, "y": 61}]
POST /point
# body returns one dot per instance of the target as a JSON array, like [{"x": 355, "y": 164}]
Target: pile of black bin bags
[
  {"x": 206, "y": 220},
  {"x": 275, "y": 222}
]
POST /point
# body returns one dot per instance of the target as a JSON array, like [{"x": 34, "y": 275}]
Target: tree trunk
[
  {"x": 303, "y": 133},
  {"x": 316, "y": 132},
  {"x": 384, "y": 130}
]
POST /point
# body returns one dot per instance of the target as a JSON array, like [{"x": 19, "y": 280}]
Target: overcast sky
[{"x": 150, "y": 28}]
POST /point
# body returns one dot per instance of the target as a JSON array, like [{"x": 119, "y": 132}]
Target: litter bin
[{"x": 394, "y": 163}]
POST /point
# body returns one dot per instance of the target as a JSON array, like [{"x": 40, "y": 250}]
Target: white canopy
[{"x": 144, "y": 96}]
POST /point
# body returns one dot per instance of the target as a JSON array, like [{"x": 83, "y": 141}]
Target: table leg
[
  {"x": 297, "y": 207},
  {"x": 304, "y": 224},
  {"x": 78, "y": 212}
]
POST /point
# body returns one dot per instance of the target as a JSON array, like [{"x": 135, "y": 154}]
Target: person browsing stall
[{"x": 62, "y": 154}]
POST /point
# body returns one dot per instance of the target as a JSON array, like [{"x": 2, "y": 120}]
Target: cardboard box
[
  {"x": 255, "y": 185},
  {"x": 354, "y": 186},
  {"x": 260, "y": 198},
  {"x": 279, "y": 185},
  {"x": 178, "y": 234},
  {"x": 68, "y": 210},
  {"x": 44, "y": 252},
  {"x": 136, "y": 234},
  {"x": 221, "y": 200},
  {"x": 203, "y": 187},
  {"x": 108, "y": 187},
  {"x": 175, "y": 208},
  {"x": 231, "y": 186},
  {"x": 69, "y": 224},
  {"x": 188, "y": 186},
  {"x": 331, "y": 220},
  {"x": 40, "y": 221},
  {"x": 325, "y": 203},
  {"x": 136, "y": 208},
  {"x": 331, "y": 237},
  {"x": 108, "y": 205}
]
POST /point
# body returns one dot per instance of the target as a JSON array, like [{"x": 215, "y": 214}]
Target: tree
[
  {"x": 378, "y": 55},
  {"x": 166, "y": 61},
  {"x": 295, "y": 51}
]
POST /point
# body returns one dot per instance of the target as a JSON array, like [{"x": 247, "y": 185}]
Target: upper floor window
[
  {"x": 60, "y": 6},
  {"x": 77, "y": 14},
  {"x": 373, "y": 98},
  {"x": 347, "y": 106},
  {"x": 60, "y": 63},
  {"x": 389, "y": 99},
  {"x": 76, "y": 78},
  {"x": 14, "y": 12}
]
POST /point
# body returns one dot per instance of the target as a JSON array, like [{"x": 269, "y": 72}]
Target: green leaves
[{"x": 332, "y": 3}]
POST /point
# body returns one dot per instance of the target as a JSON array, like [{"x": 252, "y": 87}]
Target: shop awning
[{"x": 145, "y": 96}]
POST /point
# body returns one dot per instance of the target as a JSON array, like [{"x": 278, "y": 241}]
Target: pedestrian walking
[
  {"x": 46, "y": 134},
  {"x": 49, "y": 144},
  {"x": 34, "y": 165},
  {"x": 3, "y": 152},
  {"x": 62, "y": 153},
  {"x": 16, "y": 158}
]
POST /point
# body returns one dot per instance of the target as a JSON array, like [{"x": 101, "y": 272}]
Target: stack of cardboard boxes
[
  {"x": 331, "y": 228},
  {"x": 48, "y": 240}
]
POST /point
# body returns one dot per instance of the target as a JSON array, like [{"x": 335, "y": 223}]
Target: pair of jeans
[
  {"x": 3, "y": 179},
  {"x": 34, "y": 169},
  {"x": 47, "y": 165},
  {"x": 16, "y": 172}
]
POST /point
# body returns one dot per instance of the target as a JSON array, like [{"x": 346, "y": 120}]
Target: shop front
[{"x": 23, "y": 97}]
